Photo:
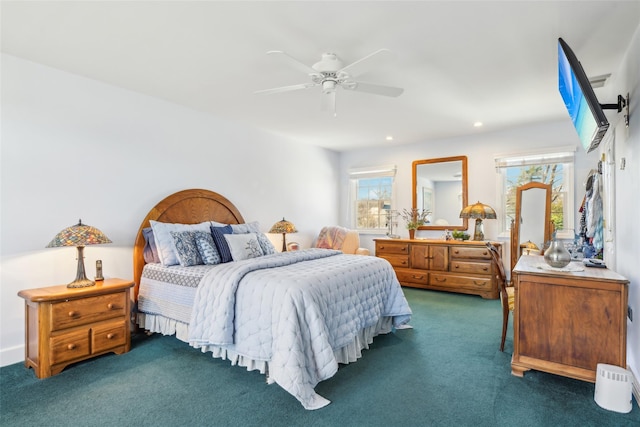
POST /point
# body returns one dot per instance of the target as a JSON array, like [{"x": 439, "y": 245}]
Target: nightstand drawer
[
  {"x": 69, "y": 346},
  {"x": 479, "y": 253},
  {"x": 105, "y": 337},
  {"x": 470, "y": 267},
  {"x": 87, "y": 310}
]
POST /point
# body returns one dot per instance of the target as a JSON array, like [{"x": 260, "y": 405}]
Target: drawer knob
[
  {"x": 110, "y": 306},
  {"x": 404, "y": 262},
  {"x": 440, "y": 280},
  {"x": 72, "y": 313},
  {"x": 71, "y": 346},
  {"x": 381, "y": 246},
  {"x": 110, "y": 336},
  {"x": 457, "y": 266},
  {"x": 485, "y": 268}
]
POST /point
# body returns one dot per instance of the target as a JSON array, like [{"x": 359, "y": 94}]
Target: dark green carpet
[{"x": 446, "y": 371}]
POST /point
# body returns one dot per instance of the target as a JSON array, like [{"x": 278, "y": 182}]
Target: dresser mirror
[
  {"x": 532, "y": 223},
  {"x": 440, "y": 187}
]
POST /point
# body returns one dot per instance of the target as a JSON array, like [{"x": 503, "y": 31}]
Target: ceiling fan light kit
[{"x": 330, "y": 73}]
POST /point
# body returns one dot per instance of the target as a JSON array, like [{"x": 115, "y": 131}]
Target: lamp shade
[
  {"x": 79, "y": 235},
  {"x": 478, "y": 210},
  {"x": 283, "y": 227}
]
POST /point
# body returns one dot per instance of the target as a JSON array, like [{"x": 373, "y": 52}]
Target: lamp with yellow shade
[
  {"x": 478, "y": 211},
  {"x": 283, "y": 227}
]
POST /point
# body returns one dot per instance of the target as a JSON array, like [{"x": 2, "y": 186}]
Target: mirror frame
[
  {"x": 515, "y": 228},
  {"x": 414, "y": 187}
]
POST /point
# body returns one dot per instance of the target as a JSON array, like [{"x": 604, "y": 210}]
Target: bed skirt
[{"x": 344, "y": 355}]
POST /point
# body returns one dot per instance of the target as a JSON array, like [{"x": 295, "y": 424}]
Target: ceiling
[{"x": 458, "y": 61}]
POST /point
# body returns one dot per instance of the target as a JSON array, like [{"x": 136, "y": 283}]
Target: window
[
  {"x": 555, "y": 168},
  {"x": 371, "y": 197}
]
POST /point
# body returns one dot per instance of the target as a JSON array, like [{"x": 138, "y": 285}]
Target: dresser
[
  {"x": 443, "y": 265},
  {"x": 66, "y": 325},
  {"x": 565, "y": 323}
]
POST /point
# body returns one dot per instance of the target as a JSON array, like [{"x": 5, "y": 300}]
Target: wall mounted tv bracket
[{"x": 623, "y": 103}]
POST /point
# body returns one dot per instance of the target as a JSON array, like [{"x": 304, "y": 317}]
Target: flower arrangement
[{"x": 415, "y": 217}]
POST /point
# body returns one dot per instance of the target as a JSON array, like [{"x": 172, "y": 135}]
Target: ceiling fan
[{"x": 330, "y": 73}]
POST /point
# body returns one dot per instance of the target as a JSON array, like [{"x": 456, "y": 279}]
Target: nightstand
[{"x": 66, "y": 325}]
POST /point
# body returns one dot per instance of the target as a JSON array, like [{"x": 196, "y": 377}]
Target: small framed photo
[{"x": 293, "y": 246}]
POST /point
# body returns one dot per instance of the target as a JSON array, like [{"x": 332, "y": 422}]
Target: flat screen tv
[{"x": 581, "y": 102}]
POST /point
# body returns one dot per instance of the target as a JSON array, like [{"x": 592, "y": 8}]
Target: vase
[
  {"x": 557, "y": 255},
  {"x": 412, "y": 234}
]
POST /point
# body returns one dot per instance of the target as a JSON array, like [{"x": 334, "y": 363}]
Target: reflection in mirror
[
  {"x": 440, "y": 186},
  {"x": 533, "y": 209}
]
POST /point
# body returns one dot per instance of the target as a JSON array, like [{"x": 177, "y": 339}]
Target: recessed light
[
  {"x": 477, "y": 124},
  {"x": 389, "y": 138}
]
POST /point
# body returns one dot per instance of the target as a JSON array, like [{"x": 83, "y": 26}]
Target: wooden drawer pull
[
  {"x": 110, "y": 336},
  {"x": 418, "y": 277},
  {"x": 478, "y": 283},
  {"x": 71, "y": 347},
  {"x": 404, "y": 263},
  {"x": 72, "y": 313},
  {"x": 440, "y": 280},
  {"x": 110, "y": 306},
  {"x": 485, "y": 268}
]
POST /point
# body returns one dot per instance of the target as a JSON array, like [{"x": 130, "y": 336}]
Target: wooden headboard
[{"x": 184, "y": 207}]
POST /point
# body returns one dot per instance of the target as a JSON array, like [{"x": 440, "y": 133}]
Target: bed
[{"x": 293, "y": 316}]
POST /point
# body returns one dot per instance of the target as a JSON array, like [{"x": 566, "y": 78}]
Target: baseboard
[{"x": 12, "y": 355}]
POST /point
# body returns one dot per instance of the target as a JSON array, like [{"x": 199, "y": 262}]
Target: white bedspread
[{"x": 295, "y": 316}]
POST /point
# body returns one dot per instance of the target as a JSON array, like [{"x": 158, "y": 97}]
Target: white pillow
[
  {"x": 164, "y": 241},
  {"x": 243, "y": 246}
]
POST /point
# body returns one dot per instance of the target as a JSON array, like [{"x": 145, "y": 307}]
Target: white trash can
[{"x": 613, "y": 388}]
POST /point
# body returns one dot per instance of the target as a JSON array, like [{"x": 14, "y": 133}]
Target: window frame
[
  {"x": 562, "y": 155},
  {"x": 355, "y": 175}
]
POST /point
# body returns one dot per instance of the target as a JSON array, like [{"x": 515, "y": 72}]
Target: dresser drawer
[
  {"x": 412, "y": 276},
  {"x": 467, "y": 267},
  {"x": 108, "y": 336},
  {"x": 77, "y": 312},
  {"x": 396, "y": 260},
  {"x": 455, "y": 281},
  {"x": 477, "y": 253},
  {"x": 383, "y": 248},
  {"x": 69, "y": 346}
]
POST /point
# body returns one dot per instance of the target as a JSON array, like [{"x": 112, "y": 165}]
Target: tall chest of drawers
[
  {"x": 66, "y": 325},
  {"x": 443, "y": 265}
]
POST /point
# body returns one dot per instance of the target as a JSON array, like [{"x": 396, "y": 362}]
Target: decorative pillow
[
  {"x": 221, "y": 243},
  {"x": 243, "y": 246},
  {"x": 207, "y": 248},
  {"x": 150, "y": 252},
  {"x": 254, "y": 227},
  {"x": 164, "y": 240},
  {"x": 186, "y": 249}
]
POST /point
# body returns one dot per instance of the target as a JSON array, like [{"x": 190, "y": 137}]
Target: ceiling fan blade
[
  {"x": 329, "y": 101},
  {"x": 373, "y": 88},
  {"x": 293, "y": 62},
  {"x": 371, "y": 61},
  {"x": 285, "y": 88}
]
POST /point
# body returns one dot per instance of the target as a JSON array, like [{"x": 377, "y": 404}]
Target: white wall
[
  {"x": 484, "y": 147},
  {"x": 76, "y": 148},
  {"x": 627, "y": 203}
]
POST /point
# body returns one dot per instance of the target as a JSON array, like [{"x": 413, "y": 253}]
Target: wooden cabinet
[
  {"x": 452, "y": 265},
  {"x": 66, "y": 325},
  {"x": 566, "y": 323}
]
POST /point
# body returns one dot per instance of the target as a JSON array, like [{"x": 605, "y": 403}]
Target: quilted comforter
[{"x": 297, "y": 315}]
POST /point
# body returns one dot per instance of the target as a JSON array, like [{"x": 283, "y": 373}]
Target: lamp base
[
  {"x": 81, "y": 278},
  {"x": 83, "y": 283},
  {"x": 479, "y": 230}
]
